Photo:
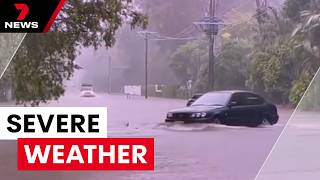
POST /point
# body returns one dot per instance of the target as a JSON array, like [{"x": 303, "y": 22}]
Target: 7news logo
[
  {"x": 28, "y": 16},
  {"x": 23, "y": 10}
]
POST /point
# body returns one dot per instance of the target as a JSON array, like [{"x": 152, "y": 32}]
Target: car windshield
[
  {"x": 86, "y": 88},
  {"x": 213, "y": 99}
]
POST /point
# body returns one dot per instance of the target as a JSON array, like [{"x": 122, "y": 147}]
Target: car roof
[{"x": 232, "y": 91}]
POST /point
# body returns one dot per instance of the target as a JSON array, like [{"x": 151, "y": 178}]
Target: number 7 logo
[{"x": 24, "y": 11}]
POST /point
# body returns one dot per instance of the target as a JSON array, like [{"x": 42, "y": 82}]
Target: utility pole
[
  {"x": 109, "y": 74},
  {"x": 210, "y": 25},
  {"x": 146, "y": 35},
  {"x": 146, "y": 64},
  {"x": 211, "y": 48}
]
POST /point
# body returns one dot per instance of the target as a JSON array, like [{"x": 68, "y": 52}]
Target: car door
[
  {"x": 255, "y": 106},
  {"x": 244, "y": 109},
  {"x": 237, "y": 110}
]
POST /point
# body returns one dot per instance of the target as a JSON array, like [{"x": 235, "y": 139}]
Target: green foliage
[
  {"x": 44, "y": 61},
  {"x": 273, "y": 70},
  {"x": 264, "y": 56},
  {"x": 297, "y": 91},
  {"x": 293, "y": 8},
  {"x": 311, "y": 100},
  {"x": 232, "y": 64},
  {"x": 283, "y": 65},
  {"x": 309, "y": 25},
  {"x": 188, "y": 59}
]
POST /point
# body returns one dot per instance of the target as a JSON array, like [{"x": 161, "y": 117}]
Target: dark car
[
  {"x": 193, "y": 99},
  {"x": 227, "y": 107}
]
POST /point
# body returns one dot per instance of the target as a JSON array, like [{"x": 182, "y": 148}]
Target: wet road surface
[{"x": 182, "y": 151}]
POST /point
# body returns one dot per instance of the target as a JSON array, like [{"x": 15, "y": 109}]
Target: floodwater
[{"x": 182, "y": 151}]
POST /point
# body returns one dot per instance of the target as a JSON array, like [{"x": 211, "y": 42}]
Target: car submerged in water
[{"x": 235, "y": 108}]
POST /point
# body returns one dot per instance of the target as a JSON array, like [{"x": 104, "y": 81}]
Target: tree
[
  {"x": 293, "y": 8},
  {"x": 188, "y": 60},
  {"x": 274, "y": 69},
  {"x": 44, "y": 61},
  {"x": 311, "y": 99},
  {"x": 309, "y": 24},
  {"x": 283, "y": 65},
  {"x": 232, "y": 63},
  {"x": 308, "y": 31}
]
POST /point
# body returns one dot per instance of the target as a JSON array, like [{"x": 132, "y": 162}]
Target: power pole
[
  {"x": 109, "y": 74},
  {"x": 146, "y": 64},
  {"x": 211, "y": 48},
  {"x": 210, "y": 25},
  {"x": 146, "y": 35}
]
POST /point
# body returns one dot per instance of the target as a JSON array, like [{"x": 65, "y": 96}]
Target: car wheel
[{"x": 265, "y": 121}]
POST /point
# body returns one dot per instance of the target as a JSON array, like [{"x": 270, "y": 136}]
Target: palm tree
[{"x": 309, "y": 27}]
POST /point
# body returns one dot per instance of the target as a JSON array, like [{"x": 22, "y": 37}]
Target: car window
[
  {"x": 211, "y": 99},
  {"x": 252, "y": 99},
  {"x": 238, "y": 99},
  {"x": 245, "y": 99}
]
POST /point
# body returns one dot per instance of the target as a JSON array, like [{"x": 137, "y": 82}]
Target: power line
[
  {"x": 254, "y": 17},
  {"x": 158, "y": 37},
  {"x": 185, "y": 31}
]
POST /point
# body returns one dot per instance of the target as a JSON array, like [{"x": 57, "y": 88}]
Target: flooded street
[{"x": 182, "y": 151}]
